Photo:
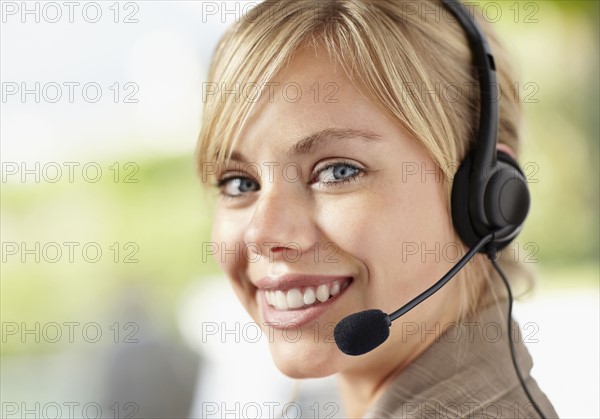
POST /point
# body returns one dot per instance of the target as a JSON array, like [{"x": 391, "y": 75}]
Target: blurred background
[{"x": 110, "y": 306}]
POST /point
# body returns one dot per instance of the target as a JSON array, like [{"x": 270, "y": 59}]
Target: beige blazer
[{"x": 466, "y": 373}]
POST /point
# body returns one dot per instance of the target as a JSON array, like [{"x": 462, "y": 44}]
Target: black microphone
[{"x": 364, "y": 331}]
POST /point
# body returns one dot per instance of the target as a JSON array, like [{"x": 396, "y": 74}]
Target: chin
[{"x": 305, "y": 358}]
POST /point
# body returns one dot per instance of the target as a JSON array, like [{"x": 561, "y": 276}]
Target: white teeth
[
  {"x": 335, "y": 288},
  {"x": 323, "y": 293},
  {"x": 309, "y": 296},
  {"x": 294, "y": 298},
  {"x": 280, "y": 300}
]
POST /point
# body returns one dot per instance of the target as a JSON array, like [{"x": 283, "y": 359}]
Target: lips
[{"x": 292, "y": 300}]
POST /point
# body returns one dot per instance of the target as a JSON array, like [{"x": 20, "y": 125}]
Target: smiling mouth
[{"x": 303, "y": 297}]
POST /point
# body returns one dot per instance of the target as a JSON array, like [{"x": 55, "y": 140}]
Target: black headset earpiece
[
  {"x": 505, "y": 201},
  {"x": 489, "y": 191}
]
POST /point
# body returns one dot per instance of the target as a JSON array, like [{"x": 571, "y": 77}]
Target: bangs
[{"x": 371, "y": 42}]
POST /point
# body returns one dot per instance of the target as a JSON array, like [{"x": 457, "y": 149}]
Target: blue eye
[
  {"x": 337, "y": 173},
  {"x": 236, "y": 186}
]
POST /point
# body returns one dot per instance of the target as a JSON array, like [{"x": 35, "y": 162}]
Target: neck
[{"x": 360, "y": 387}]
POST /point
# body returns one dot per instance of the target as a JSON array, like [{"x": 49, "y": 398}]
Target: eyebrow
[{"x": 312, "y": 142}]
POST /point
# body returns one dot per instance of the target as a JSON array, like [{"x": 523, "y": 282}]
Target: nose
[{"x": 283, "y": 220}]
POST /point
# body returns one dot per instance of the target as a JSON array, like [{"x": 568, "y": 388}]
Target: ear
[{"x": 506, "y": 149}]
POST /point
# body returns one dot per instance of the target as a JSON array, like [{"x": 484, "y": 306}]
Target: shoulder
[
  {"x": 467, "y": 399},
  {"x": 466, "y": 374}
]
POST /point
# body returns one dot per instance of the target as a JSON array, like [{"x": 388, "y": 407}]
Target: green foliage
[{"x": 159, "y": 223}]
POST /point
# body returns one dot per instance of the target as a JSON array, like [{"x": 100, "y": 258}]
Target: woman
[{"x": 332, "y": 131}]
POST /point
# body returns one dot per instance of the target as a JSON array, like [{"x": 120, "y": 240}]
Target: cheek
[
  {"x": 394, "y": 236},
  {"x": 232, "y": 255},
  {"x": 227, "y": 246},
  {"x": 349, "y": 224},
  {"x": 371, "y": 226},
  {"x": 221, "y": 236}
]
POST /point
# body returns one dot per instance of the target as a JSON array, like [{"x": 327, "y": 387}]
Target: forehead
[{"x": 308, "y": 95}]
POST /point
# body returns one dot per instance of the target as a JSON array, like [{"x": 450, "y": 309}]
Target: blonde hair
[{"x": 384, "y": 46}]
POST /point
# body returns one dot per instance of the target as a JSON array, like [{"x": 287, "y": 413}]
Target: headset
[
  {"x": 489, "y": 203},
  {"x": 489, "y": 190}
]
